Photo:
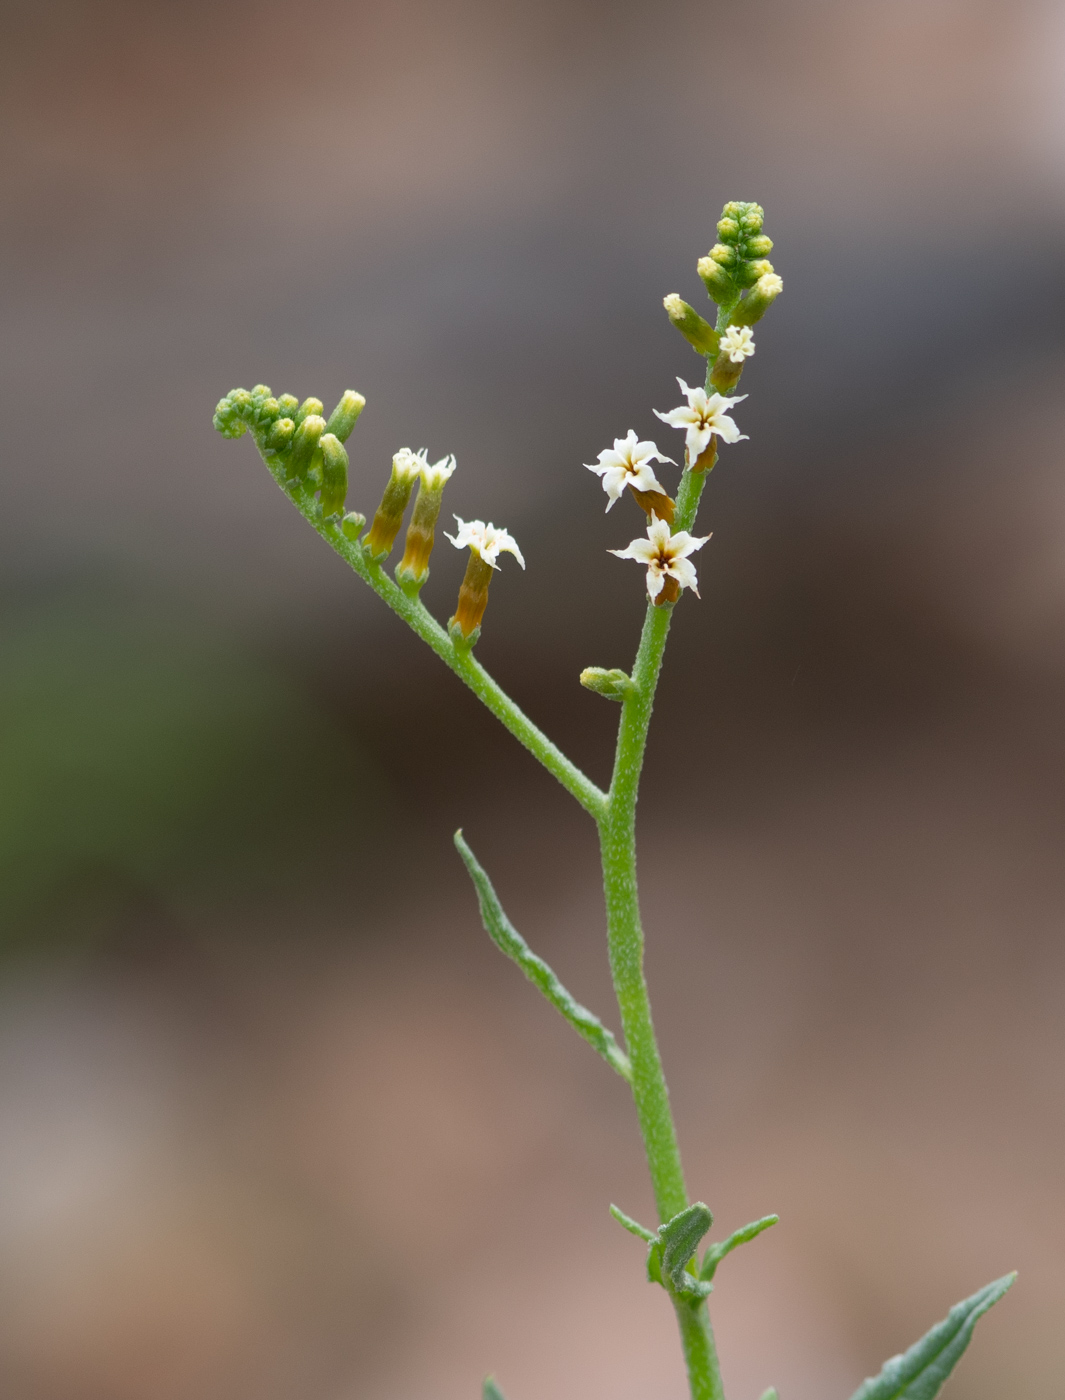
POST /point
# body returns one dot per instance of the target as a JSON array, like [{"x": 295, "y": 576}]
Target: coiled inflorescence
[{"x": 295, "y": 436}]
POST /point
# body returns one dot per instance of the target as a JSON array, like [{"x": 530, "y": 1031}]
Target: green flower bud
[
  {"x": 759, "y": 246},
  {"x": 752, "y": 218},
  {"x": 288, "y": 406},
  {"x": 261, "y": 391},
  {"x": 344, "y": 417},
  {"x": 758, "y": 300},
  {"x": 699, "y": 333},
  {"x": 307, "y": 408},
  {"x": 612, "y": 685},
  {"x": 227, "y": 419},
  {"x": 280, "y": 436},
  {"x": 353, "y": 525},
  {"x": 406, "y": 470},
  {"x": 718, "y": 283},
  {"x": 723, "y": 254},
  {"x": 728, "y": 229},
  {"x": 304, "y": 445},
  {"x": 334, "y": 473}
]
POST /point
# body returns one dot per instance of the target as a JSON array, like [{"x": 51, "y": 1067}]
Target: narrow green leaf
[
  {"x": 716, "y": 1252},
  {"x": 654, "y": 1264},
  {"x": 680, "y": 1238},
  {"x": 507, "y": 938},
  {"x": 491, "y": 1391},
  {"x": 633, "y": 1226},
  {"x": 920, "y": 1372}
]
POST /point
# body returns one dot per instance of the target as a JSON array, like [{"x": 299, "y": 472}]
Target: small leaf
[
  {"x": 633, "y": 1226},
  {"x": 680, "y": 1238},
  {"x": 491, "y": 1391},
  {"x": 507, "y": 938},
  {"x": 654, "y": 1264},
  {"x": 920, "y": 1372},
  {"x": 716, "y": 1252}
]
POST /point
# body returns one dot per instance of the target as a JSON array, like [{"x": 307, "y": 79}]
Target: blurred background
[{"x": 276, "y": 1120}]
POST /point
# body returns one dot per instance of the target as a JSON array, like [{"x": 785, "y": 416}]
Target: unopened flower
[
  {"x": 628, "y": 463},
  {"x": 704, "y": 416},
  {"x": 666, "y": 556},
  {"x": 413, "y": 568},
  {"x": 737, "y": 343},
  {"x": 486, "y": 543},
  {"x": 406, "y": 470}
]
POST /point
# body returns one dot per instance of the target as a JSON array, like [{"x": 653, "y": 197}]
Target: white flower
[
  {"x": 408, "y": 465},
  {"x": 770, "y": 284},
  {"x": 702, "y": 418},
  {"x": 433, "y": 477},
  {"x": 486, "y": 540},
  {"x": 665, "y": 555},
  {"x": 628, "y": 464},
  {"x": 737, "y": 343}
]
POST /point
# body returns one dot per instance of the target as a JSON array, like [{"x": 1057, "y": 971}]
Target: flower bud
[
  {"x": 612, "y": 685},
  {"x": 721, "y": 253},
  {"x": 288, "y": 406},
  {"x": 344, "y": 416},
  {"x": 280, "y": 436},
  {"x": 655, "y": 503},
  {"x": 759, "y": 246},
  {"x": 698, "y": 332},
  {"x": 406, "y": 469},
  {"x": 718, "y": 283},
  {"x": 334, "y": 474},
  {"x": 757, "y": 301},
  {"x": 227, "y": 417},
  {"x": 725, "y": 374},
  {"x": 353, "y": 525},
  {"x": 413, "y": 568},
  {"x": 728, "y": 229},
  {"x": 304, "y": 445},
  {"x": 308, "y": 408}
]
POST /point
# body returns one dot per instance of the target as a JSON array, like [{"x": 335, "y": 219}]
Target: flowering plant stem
[{"x": 305, "y": 456}]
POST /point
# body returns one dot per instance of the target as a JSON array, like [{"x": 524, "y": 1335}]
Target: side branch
[
  {"x": 507, "y": 938},
  {"x": 459, "y": 659}
]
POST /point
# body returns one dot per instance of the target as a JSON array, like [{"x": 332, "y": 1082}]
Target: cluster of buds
[
  {"x": 739, "y": 277},
  {"x": 295, "y": 437},
  {"x": 306, "y": 451}
]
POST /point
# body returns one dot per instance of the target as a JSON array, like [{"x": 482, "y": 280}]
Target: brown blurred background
[{"x": 278, "y": 1123}]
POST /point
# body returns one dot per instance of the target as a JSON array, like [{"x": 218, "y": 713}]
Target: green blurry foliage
[{"x": 146, "y": 758}]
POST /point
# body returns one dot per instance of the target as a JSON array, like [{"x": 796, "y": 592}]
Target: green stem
[
  {"x": 617, "y": 831},
  {"x": 460, "y": 659}
]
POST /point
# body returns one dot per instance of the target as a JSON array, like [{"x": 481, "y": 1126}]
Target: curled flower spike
[
  {"x": 705, "y": 416},
  {"x": 628, "y": 463},
  {"x": 738, "y": 343},
  {"x": 421, "y": 533},
  {"x": 666, "y": 557},
  {"x": 406, "y": 470},
  {"x": 486, "y": 543}
]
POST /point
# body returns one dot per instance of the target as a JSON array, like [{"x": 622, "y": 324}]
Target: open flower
[
  {"x": 666, "y": 556},
  {"x": 628, "y": 464},
  {"x": 704, "y": 416},
  {"x": 486, "y": 541},
  {"x": 738, "y": 343},
  {"x": 433, "y": 477}
]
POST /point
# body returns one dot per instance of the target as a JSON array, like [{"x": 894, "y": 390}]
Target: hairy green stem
[
  {"x": 617, "y": 831},
  {"x": 461, "y": 659}
]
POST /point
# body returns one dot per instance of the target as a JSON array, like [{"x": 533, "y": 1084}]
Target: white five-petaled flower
[
  {"x": 628, "y": 463},
  {"x": 666, "y": 556},
  {"x": 738, "y": 343},
  {"x": 488, "y": 541},
  {"x": 433, "y": 477},
  {"x": 704, "y": 416}
]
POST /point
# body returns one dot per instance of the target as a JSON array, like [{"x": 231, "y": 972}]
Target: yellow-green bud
[
  {"x": 612, "y": 685},
  {"x": 723, "y": 254},
  {"x": 288, "y": 406},
  {"x": 760, "y": 246},
  {"x": 261, "y": 391},
  {"x": 344, "y": 416},
  {"x": 718, "y": 283},
  {"x": 305, "y": 444},
  {"x": 698, "y": 332},
  {"x": 307, "y": 408},
  {"x": 758, "y": 300},
  {"x": 353, "y": 525},
  {"x": 280, "y": 435},
  {"x": 334, "y": 473},
  {"x": 728, "y": 229}
]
